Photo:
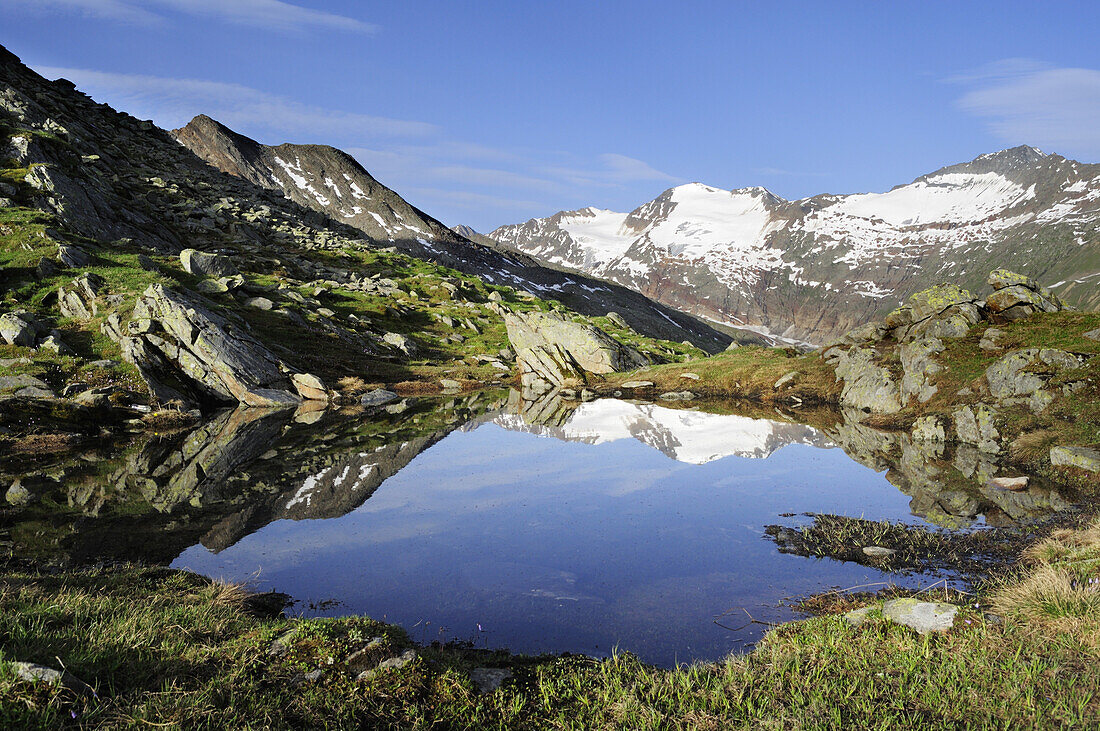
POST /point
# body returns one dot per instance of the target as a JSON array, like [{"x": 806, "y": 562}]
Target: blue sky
[{"x": 493, "y": 112}]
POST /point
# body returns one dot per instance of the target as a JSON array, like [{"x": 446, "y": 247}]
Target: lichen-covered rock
[
  {"x": 553, "y": 349},
  {"x": 928, "y": 429},
  {"x": 920, "y": 367},
  {"x": 1007, "y": 377},
  {"x": 977, "y": 425},
  {"x": 867, "y": 385},
  {"x": 309, "y": 386},
  {"x": 943, "y": 311},
  {"x": 21, "y": 328},
  {"x": 181, "y": 345},
  {"x": 1083, "y": 458},
  {"x": 1017, "y": 296},
  {"x": 78, "y": 299},
  {"x": 203, "y": 264},
  {"x": 924, "y": 617}
]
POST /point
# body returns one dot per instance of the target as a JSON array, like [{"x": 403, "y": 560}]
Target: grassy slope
[
  {"x": 170, "y": 648},
  {"x": 413, "y": 311}
]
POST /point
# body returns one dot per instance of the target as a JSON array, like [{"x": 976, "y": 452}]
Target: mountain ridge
[{"x": 751, "y": 258}]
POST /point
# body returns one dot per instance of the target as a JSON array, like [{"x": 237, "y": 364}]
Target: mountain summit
[{"x": 812, "y": 269}]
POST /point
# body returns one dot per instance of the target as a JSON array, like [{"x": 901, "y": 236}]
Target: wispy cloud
[
  {"x": 172, "y": 102},
  {"x": 446, "y": 176},
  {"x": 268, "y": 14},
  {"x": 1028, "y": 102}
]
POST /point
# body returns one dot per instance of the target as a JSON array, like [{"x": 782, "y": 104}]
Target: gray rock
[
  {"x": 1009, "y": 483},
  {"x": 929, "y": 429},
  {"x": 1083, "y": 458},
  {"x": 211, "y": 286},
  {"x": 54, "y": 344},
  {"x": 1007, "y": 377},
  {"x": 924, "y": 617},
  {"x": 638, "y": 384},
  {"x": 449, "y": 384},
  {"x": 378, "y": 397},
  {"x": 1093, "y": 334},
  {"x": 977, "y": 425},
  {"x": 878, "y": 551},
  {"x": 21, "y": 328},
  {"x": 34, "y": 673},
  {"x": 859, "y": 617},
  {"x": 552, "y": 348},
  {"x": 73, "y": 256},
  {"x": 919, "y": 368},
  {"x": 180, "y": 345},
  {"x": 78, "y": 299},
  {"x": 46, "y": 268},
  {"x": 14, "y": 384},
  {"x": 677, "y": 396},
  {"x": 867, "y": 386},
  {"x": 486, "y": 680},
  {"x": 203, "y": 264},
  {"x": 989, "y": 339},
  {"x": 18, "y": 495},
  {"x": 309, "y": 386},
  {"x": 401, "y": 342},
  {"x": 617, "y": 320},
  {"x": 260, "y": 303},
  {"x": 690, "y": 376},
  {"x": 785, "y": 379}
]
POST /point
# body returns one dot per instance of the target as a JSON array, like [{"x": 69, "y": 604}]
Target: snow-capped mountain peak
[{"x": 813, "y": 268}]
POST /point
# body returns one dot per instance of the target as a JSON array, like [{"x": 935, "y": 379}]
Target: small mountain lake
[
  {"x": 539, "y": 527},
  {"x": 629, "y": 525}
]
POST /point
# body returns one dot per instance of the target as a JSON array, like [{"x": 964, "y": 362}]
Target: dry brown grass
[
  {"x": 1032, "y": 445},
  {"x": 1061, "y": 590}
]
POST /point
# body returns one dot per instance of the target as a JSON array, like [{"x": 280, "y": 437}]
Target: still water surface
[{"x": 629, "y": 525}]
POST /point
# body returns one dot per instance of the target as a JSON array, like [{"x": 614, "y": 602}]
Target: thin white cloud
[
  {"x": 449, "y": 178},
  {"x": 1026, "y": 102},
  {"x": 268, "y": 14},
  {"x": 173, "y": 102}
]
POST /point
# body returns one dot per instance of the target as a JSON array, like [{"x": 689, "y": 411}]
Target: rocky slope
[
  {"x": 814, "y": 268},
  {"x": 131, "y": 271},
  {"x": 332, "y": 182}
]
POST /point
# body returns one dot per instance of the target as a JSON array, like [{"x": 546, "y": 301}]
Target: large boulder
[
  {"x": 943, "y": 311},
  {"x": 867, "y": 385},
  {"x": 203, "y": 264},
  {"x": 21, "y": 328},
  {"x": 180, "y": 344},
  {"x": 556, "y": 350},
  {"x": 1017, "y": 296}
]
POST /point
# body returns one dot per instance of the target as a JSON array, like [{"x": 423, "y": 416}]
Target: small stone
[
  {"x": 858, "y": 617},
  {"x": 638, "y": 384},
  {"x": 18, "y": 495},
  {"x": 33, "y": 673},
  {"x": 677, "y": 396},
  {"x": 1093, "y": 334},
  {"x": 73, "y": 256},
  {"x": 784, "y": 380},
  {"x": 1009, "y": 483},
  {"x": 486, "y": 680},
  {"x": 924, "y": 617},
  {"x": 878, "y": 551},
  {"x": 494, "y": 296},
  {"x": 690, "y": 376},
  {"x": 449, "y": 384},
  {"x": 378, "y": 397},
  {"x": 260, "y": 303},
  {"x": 211, "y": 286}
]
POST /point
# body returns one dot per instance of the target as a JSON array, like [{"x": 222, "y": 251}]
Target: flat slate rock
[{"x": 924, "y": 617}]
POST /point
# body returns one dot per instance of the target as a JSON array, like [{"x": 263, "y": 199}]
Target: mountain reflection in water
[{"x": 633, "y": 523}]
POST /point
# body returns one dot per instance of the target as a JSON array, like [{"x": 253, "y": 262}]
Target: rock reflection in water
[{"x": 243, "y": 469}]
